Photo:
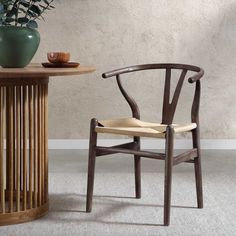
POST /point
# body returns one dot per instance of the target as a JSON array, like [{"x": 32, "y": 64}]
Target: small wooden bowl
[{"x": 58, "y": 57}]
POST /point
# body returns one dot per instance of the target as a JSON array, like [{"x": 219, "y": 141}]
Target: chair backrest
[{"x": 169, "y": 107}]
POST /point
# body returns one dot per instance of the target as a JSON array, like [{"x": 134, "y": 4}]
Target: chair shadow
[
  {"x": 110, "y": 196},
  {"x": 67, "y": 203},
  {"x": 143, "y": 205},
  {"x": 129, "y": 223}
]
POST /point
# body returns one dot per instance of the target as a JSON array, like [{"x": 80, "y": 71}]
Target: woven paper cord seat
[{"x": 134, "y": 127}]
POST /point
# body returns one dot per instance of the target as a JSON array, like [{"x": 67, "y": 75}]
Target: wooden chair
[{"x": 136, "y": 128}]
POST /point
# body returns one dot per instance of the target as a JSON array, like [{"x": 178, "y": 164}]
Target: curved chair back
[{"x": 169, "y": 107}]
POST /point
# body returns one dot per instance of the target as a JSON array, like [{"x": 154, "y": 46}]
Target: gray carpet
[{"x": 117, "y": 212}]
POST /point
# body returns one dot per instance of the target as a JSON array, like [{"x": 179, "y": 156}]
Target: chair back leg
[
  {"x": 168, "y": 174},
  {"x": 197, "y": 168},
  {"x": 91, "y": 164},
  {"x": 137, "y": 169}
]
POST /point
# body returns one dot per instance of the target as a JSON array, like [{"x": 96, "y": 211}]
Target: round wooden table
[{"x": 24, "y": 134}]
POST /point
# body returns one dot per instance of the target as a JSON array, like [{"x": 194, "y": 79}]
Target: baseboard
[{"x": 146, "y": 143}]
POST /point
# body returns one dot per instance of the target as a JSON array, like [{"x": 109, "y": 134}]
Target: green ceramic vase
[{"x": 18, "y": 45}]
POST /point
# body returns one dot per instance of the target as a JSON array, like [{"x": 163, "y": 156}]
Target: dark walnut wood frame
[{"x": 168, "y": 111}]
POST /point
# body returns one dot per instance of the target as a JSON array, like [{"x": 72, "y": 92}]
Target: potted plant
[{"x": 19, "y": 39}]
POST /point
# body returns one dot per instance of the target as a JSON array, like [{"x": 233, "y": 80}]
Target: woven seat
[
  {"x": 136, "y": 128},
  {"x": 133, "y": 127}
]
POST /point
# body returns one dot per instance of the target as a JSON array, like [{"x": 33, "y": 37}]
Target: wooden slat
[
  {"x": 21, "y": 137},
  {"x": 24, "y": 148},
  {"x": 46, "y": 141},
  {"x": 35, "y": 147},
  {"x": 30, "y": 145},
  {"x": 42, "y": 142},
  {"x": 14, "y": 137},
  {"x": 2, "y": 179},
  {"x": 1, "y": 154},
  {"x": 10, "y": 147},
  {"x": 18, "y": 148},
  {"x": 7, "y": 136},
  {"x": 4, "y": 136},
  {"x": 39, "y": 147}
]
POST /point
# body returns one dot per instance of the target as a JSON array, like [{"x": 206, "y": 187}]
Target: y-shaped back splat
[{"x": 170, "y": 107}]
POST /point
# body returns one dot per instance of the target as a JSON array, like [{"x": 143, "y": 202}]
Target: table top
[{"x": 37, "y": 70}]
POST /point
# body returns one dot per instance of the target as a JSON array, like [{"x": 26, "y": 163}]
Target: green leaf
[
  {"x": 22, "y": 10},
  {"x": 35, "y": 9},
  {"x": 32, "y": 24},
  {"x": 45, "y": 1},
  {"x": 9, "y": 19},
  {"x": 22, "y": 20},
  {"x": 31, "y": 13},
  {"x": 12, "y": 12},
  {"x": 1, "y": 8},
  {"x": 24, "y": 3}
]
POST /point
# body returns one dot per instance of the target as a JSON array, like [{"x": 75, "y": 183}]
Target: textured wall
[{"x": 111, "y": 34}]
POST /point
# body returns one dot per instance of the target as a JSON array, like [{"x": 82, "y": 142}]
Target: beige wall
[{"x": 111, "y": 34}]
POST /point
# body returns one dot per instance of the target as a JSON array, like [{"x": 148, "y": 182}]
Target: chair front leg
[
  {"x": 91, "y": 164},
  {"x": 137, "y": 169},
  {"x": 198, "y": 168},
  {"x": 168, "y": 173}
]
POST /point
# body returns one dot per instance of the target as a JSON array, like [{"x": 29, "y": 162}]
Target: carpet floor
[{"x": 117, "y": 212}]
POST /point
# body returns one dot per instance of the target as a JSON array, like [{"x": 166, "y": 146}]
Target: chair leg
[
  {"x": 91, "y": 164},
  {"x": 198, "y": 168},
  {"x": 168, "y": 174},
  {"x": 137, "y": 169},
  {"x": 198, "y": 177}
]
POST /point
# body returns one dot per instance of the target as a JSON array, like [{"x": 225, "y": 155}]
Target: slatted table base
[{"x": 24, "y": 163}]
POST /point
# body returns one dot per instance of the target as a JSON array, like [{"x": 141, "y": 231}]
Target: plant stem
[{"x": 17, "y": 12}]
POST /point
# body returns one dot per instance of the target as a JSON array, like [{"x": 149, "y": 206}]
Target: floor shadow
[
  {"x": 142, "y": 205},
  {"x": 108, "y": 196},
  {"x": 70, "y": 202},
  {"x": 75, "y": 203},
  {"x": 69, "y": 211},
  {"x": 130, "y": 223}
]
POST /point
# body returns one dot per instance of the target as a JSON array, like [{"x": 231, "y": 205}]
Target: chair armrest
[
  {"x": 196, "y": 77},
  {"x": 117, "y": 72}
]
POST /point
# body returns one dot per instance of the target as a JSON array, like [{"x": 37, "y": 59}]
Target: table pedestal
[{"x": 24, "y": 163}]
